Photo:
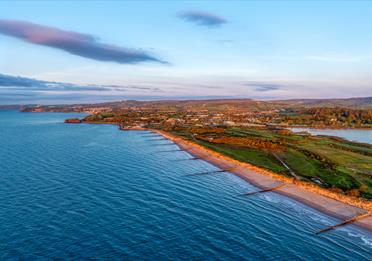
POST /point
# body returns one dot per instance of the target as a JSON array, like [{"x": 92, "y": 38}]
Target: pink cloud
[{"x": 84, "y": 45}]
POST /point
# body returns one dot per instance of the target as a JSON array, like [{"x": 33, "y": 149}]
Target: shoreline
[
  {"x": 332, "y": 204},
  {"x": 335, "y": 205}
]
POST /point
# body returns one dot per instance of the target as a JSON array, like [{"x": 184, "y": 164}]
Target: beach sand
[{"x": 335, "y": 205}]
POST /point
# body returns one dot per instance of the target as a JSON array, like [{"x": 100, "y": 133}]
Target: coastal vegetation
[
  {"x": 327, "y": 117},
  {"x": 332, "y": 163}
]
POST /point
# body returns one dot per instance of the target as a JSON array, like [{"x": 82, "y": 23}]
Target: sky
[{"x": 54, "y": 52}]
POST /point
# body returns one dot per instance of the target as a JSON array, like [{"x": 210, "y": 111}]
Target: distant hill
[
  {"x": 216, "y": 104},
  {"x": 351, "y": 103}
]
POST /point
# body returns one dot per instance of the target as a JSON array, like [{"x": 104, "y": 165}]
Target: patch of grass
[
  {"x": 254, "y": 157},
  {"x": 301, "y": 164}
]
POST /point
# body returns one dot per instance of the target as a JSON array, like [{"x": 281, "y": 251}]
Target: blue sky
[{"x": 193, "y": 49}]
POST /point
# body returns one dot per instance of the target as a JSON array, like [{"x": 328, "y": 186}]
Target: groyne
[{"x": 331, "y": 203}]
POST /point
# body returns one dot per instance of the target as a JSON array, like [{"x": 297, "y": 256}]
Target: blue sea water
[
  {"x": 79, "y": 191},
  {"x": 358, "y": 135}
]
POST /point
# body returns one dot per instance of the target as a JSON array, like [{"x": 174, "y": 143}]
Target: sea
[
  {"x": 357, "y": 135},
  {"x": 92, "y": 192}
]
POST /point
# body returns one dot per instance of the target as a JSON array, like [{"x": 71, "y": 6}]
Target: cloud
[
  {"x": 203, "y": 18},
  {"x": 16, "y": 82},
  {"x": 84, "y": 45},
  {"x": 21, "y": 83},
  {"x": 264, "y": 87},
  {"x": 126, "y": 87}
]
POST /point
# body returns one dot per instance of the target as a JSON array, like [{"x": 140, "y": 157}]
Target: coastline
[{"x": 335, "y": 205}]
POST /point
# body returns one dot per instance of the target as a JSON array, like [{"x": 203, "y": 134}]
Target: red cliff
[{"x": 74, "y": 120}]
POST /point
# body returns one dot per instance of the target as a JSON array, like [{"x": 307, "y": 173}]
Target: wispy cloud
[
  {"x": 23, "y": 83},
  {"x": 264, "y": 87},
  {"x": 203, "y": 18},
  {"x": 84, "y": 45}
]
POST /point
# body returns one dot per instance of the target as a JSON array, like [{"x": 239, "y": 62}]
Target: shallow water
[
  {"x": 364, "y": 136},
  {"x": 78, "y": 191}
]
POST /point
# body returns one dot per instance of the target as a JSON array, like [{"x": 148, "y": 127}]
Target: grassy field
[{"x": 329, "y": 162}]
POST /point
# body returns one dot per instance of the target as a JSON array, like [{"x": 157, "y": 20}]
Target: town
[{"x": 348, "y": 113}]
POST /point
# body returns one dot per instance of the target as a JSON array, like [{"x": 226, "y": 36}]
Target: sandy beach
[{"x": 333, "y": 204}]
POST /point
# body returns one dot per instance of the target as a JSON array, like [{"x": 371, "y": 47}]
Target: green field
[{"x": 328, "y": 162}]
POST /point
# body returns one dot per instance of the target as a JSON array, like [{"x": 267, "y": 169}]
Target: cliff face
[{"x": 74, "y": 120}]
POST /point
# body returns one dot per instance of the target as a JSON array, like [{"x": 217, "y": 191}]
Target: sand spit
[{"x": 334, "y": 204}]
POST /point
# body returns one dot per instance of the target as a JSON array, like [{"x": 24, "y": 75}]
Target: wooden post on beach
[
  {"x": 155, "y": 139},
  {"x": 343, "y": 223},
  {"x": 210, "y": 172},
  {"x": 170, "y": 150},
  {"x": 194, "y": 158},
  {"x": 264, "y": 190},
  {"x": 166, "y": 144}
]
